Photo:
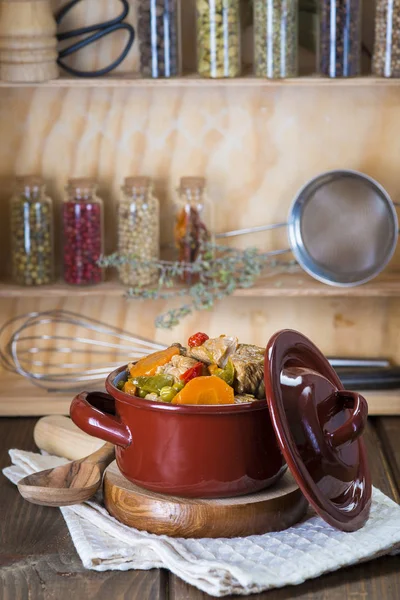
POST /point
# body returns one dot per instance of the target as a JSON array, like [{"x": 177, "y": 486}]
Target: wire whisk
[{"x": 60, "y": 351}]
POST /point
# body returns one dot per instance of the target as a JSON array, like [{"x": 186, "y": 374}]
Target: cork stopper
[
  {"x": 137, "y": 182},
  {"x": 193, "y": 183},
  {"x": 82, "y": 182},
  {"x": 33, "y": 181}
]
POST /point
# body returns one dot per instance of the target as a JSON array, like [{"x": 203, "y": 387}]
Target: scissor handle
[
  {"x": 90, "y": 28},
  {"x": 98, "y": 31}
]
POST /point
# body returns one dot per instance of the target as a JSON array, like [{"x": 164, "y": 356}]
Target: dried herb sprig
[{"x": 219, "y": 271}]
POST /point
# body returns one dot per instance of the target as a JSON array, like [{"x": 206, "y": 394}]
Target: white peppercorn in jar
[
  {"x": 32, "y": 233},
  {"x": 275, "y": 38},
  {"x": 139, "y": 232},
  {"x": 218, "y": 38},
  {"x": 339, "y": 47},
  {"x": 159, "y": 37},
  {"x": 386, "y": 57}
]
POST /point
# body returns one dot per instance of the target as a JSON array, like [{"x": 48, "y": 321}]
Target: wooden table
[{"x": 38, "y": 560}]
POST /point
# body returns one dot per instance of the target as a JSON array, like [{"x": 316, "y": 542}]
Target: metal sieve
[{"x": 342, "y": 228}]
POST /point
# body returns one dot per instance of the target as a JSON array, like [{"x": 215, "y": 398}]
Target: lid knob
[{"x": 354, "y": 427}]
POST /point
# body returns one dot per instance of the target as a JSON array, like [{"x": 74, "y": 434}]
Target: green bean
[{"x": 153, "y": 385}]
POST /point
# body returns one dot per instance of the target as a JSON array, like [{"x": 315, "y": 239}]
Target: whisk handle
[{"x": 98, "y": 421}]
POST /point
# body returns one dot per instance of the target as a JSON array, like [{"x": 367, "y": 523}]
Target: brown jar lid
[
  {"x": 139, "y": 181},
  {"x": 193, "y": 182},
  {"x": 319, "y": 428},
  {"x": 30, "y": 180}
]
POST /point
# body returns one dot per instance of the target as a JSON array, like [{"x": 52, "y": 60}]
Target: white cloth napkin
[{"x": 222, "y": 566}]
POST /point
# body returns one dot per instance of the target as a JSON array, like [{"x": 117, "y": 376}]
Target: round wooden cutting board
[{"x": 272, "y": 509}]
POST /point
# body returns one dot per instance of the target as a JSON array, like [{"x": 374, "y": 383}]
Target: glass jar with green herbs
[
  {"x": 31, "y": 233},
  {"x": 138, "y": 232},
  {"x": 386, "y": 58},
  {"x": 218, "y": 38},
  {"x": 275, "y": 38}
]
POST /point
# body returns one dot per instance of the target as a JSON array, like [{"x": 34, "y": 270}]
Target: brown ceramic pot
[{"x": 185, "y": 450}]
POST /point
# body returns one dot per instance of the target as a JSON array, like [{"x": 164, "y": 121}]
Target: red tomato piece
[
  {"x": 195, "y": 371},
  {"x": 197, "y": 339}
]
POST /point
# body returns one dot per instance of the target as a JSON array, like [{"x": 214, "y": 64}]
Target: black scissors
[{"x": 98, "y": 31}]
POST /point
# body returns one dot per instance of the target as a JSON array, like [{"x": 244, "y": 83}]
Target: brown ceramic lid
[{"x": 318, "y": 425}]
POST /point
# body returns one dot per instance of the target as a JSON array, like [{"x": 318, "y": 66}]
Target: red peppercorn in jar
[{"x": 83, "y": 233}]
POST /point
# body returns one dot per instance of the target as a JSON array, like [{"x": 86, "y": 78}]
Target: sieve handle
[
  {"x": 397, "y": 204},
  {"x": 250, "y": 230}
]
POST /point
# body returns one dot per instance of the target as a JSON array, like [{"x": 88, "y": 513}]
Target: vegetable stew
[{"x": 206, "y": 371}]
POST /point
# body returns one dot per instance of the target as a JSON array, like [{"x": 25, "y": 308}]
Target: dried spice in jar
[
  {"x": 386, "y": 58},
  {"x": 83, "y": 233},
  {"x": 339, "y": 51},
  {"x": 194, "y": 221},
  {"x": 275, "y": 38},
  {"x": 218, "y": 38},
  {"x": 31, "y": 233},
  {"x": 158, "y": 32},
  {"x": 139, "y": 232}
]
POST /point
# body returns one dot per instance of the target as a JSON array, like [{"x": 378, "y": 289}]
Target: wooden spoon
[
  {"x": 68, "y": 484},
  {"x": 60, "y": 436}
]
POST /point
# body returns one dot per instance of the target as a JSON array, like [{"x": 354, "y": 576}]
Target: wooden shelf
[
  {"x": 126, "y": 80},
  {"x": 20, "y": 398},
  {"x": 288, "y": 285}
]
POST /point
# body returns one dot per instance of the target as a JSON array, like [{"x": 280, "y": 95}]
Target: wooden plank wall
[{"x": 255, "y": 146}]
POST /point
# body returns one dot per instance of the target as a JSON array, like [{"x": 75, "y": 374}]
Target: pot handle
[
  {"x": 354, "y": 426},
  {"x": 98, "y": 423}
]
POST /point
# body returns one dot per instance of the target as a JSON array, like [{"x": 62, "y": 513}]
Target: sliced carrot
[
  {"x": 205, "y": 390},
  {"x": 148, "y": 365},
  {"x": 130, "y": 388}
]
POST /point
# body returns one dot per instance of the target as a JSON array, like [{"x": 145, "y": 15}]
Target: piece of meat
[
  {"x": 182, "y": 349},
  {"x": 177, "y": 366},
  {"x": 248, "y": 361},
  {"x": 244, "y": 399},
  {"x": 215, "y": 350}
]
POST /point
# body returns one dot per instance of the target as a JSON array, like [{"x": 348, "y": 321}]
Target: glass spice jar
[
  {"x": 339, "y": 47},
  {"x": 275, "y": 38},
  {"x": 194, "y": 222},
  {"x": 158, "y": 32},
  {"x": 386, "y": 57},
  {"x": 32, "y": 233},
  {"x": 138, "y": 231},
  {"x": 218, "y": 38},
  {"x": 83, "y": 233}
]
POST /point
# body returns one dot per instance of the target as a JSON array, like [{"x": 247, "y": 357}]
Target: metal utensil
[
  {"x": 370, "y": 379},
  {"x": 68, "y": 484},
  {"x": 59, "y": 350},
  {"x": 359, "y": 363},
  {"x": 342, "y": 228},
  {"x": 93, "y": 33}
]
